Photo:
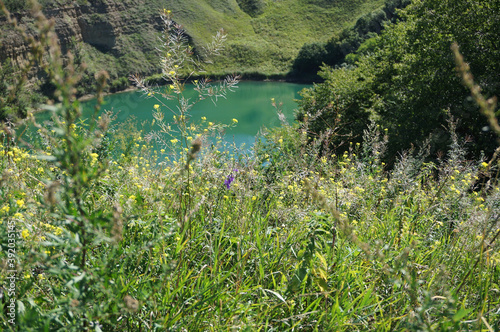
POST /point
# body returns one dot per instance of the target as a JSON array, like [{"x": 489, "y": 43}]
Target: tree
[{"x": 411, "y": 86}]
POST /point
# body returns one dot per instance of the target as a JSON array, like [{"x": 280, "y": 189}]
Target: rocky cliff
[
  {"x": 117, "y": 35},
  {"x": 264, "y": 37}
]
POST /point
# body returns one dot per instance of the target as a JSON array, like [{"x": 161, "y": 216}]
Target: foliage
[
  {"x": 16, "y": 5},
  {"x": 252, "y": 7},
  {"x": 16, "y": 101},
  {"x": 310, "y": 58},
  {"x": 17, "y": 96},
  {"x": 408, "y": 81},
  {"x": 337, "y": 48}
]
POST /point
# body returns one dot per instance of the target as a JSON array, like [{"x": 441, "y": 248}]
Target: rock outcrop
[{"x": 102, "y": 25}]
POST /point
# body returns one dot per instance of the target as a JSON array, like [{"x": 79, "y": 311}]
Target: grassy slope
[{"x": 268, "y": 43}]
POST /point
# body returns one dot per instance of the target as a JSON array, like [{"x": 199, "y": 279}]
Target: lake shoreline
[
  {"x": 250, "y": 107},
  {"x": 244, "y": 78}
]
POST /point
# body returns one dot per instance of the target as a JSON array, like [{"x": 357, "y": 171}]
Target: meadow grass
[{"x": 296, "y": 241}]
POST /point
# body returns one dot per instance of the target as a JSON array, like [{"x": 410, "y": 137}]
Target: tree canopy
[{"x": 405, "y": 78}]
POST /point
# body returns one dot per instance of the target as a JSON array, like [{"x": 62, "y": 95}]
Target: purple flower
[{"x": 230, "y": 179}]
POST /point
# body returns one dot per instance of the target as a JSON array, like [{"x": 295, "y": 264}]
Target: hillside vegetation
[
  {"x": 405, "y": 81},
  {"x": 264, "y": 36}
]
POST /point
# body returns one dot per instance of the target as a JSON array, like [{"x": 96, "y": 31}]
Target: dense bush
[
  {"x": 310, "y": 58},
  {"x": 334, "y": 52},
  {"x": 406, "y": 77},
  {"x": 106, "y": 228},
  {"x": 16, "y": 5},
  {"x": 252, "y": 7},
  {"x": 15, "y": 97}
]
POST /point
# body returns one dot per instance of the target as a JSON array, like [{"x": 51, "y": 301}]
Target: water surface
[{"x": 250, "y": 104}]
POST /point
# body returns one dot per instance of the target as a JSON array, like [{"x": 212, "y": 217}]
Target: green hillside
[
  {"x": 264, "y": 37},
  {"x": 269, "y": 42}
]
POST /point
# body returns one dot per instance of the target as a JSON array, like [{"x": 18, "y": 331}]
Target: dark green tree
[{"x": 406, "y": 78}]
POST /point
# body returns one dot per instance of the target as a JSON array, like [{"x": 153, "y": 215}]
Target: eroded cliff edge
[{"x": 117, "y": 35}]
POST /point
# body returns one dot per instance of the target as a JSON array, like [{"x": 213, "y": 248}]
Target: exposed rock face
[{"x": 100, "y": 24}]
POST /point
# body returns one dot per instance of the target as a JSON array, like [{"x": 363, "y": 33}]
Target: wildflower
[
  {"x": 156, "y": 106},
  {"x": 172, "y": 73},
  {"x": 171, "y": 86},
  {"x": 484, "y": 164},
  {"x": 20, "y": 203},
  {"x": 235, "y": 121},
  {"x": 173, "y": 141},
  {"x": 230, "y": 179},
  {"x": 254, "y": 198},
  {"x": 25, "y": 234},
  {"x": 203, "y": 118},
  {"x": 94, "y": 158}
]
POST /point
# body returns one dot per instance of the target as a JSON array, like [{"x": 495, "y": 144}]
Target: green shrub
[
  {"x": 405, "y": 77},
  {"x": 252, "y": 7},
  {"x": 16, "y": 5}
]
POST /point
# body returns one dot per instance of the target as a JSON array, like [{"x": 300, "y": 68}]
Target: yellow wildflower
[{"x": 25, "y": 233}]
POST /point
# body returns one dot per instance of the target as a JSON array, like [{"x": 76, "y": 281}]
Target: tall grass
[{"x": 291, "y": 237}]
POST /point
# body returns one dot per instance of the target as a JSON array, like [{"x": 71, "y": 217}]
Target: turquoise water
[{"x": 250, "y": 104}]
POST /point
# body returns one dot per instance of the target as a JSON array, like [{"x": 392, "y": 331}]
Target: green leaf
[
  {"x": 461, "y": 314},
  {"x": 47, "y": 158}
]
